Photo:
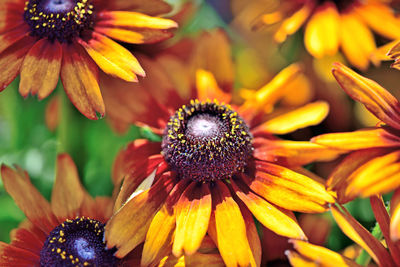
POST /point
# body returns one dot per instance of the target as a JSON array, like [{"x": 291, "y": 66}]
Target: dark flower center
[
  {"x": 58, "y": 19},
  {"x": 77, "y": 242},
  {"x": 206, "y": 141},
  {"x": 341, "y": 5}
]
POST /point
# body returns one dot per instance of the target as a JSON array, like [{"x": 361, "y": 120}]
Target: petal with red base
[
  {"x": 288, "y": 189},
  {"x": 149, "y": 7},
  {"x": 15, "y": 256},
  {"x": 10, "y": 37},
  {"x": 227, "y": 228},
  {"x": 28, "y": 199},
  {"x": 79, "y": 75},
  {"x": 128, "y": 227},
  {"x": 11, "y": 60},
  {"x": 40, "y": 70},
  {"x": 207, "y": 88},
  {"x": 374, "y": 97},
  {"x": 68, "y": 193},
  {"x": 193, "y": 212}
]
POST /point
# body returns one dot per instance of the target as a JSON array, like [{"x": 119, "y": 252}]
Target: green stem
[
  {"x": 364, "y": 258},
  {"x": 64, "y": 113}
]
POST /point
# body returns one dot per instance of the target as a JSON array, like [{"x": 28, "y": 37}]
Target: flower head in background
[
  {"x": 216, "y": 166},
  {"x": 373, "y": 166},
  {"x": 330, "y": 25},
  {"x": 66, "y": 232},
  {"x": 385, "y": 250},
  {"x": 44, "y": 39}
]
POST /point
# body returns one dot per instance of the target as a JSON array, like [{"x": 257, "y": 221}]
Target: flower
[
  {"x": 66, "y": 232},
  {"x": 44, "y": 39},
  {"x": 347, "y": 24},
  {"x": 216, "y": 166},
  {"x": 385, "y": 253},
  {"x": 373, "y": 165}
]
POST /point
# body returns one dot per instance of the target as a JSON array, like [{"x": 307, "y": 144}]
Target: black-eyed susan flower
[
  {"x": 66, "y": 232},
  {"x": 373, "y": 166},
  {"x": 43, "y": 40},
  {"x": 330, "y": 25},
  {"x": 215, "y": 167},
  {"x": 384, "y": 253}
]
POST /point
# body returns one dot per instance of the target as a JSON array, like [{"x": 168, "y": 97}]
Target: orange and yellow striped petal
[
  {"x": 68, "y": 193},
  {"x": 134, "y": 20},
  {"x": 207, "y": 87},
  {"x": 128, "y": 228},
  {"x": 321, "y": 35},
  {"x": 395, "y": 218},
  {"x": 308, "y": 115},
  {"x": 278, "y": 220},
  {"x": 293, "y": 153},
  {"x": 36, "y": 208},
  {"x": 193, "y": 212},
  {"x": 361, "y": 139},
  {"x": 288, "y": 189},
  {"x": 355, "y": 231},
  {"x": 11, "y": 60},
  {"x": 375, "y": 98},
  {"x": 112, "y": 58},
  {"x": 227, "y": 228},
  {"x": 356, "y": 40},
  {"x": 160, "y": 234},
  {"x": 377, "y": 176},
  {"x": 149, "y": 7},
  {"x": 79, "y": 76},
  {"x": 318, "y": 255},
  {"x": 252, "y": 235},
  {"x": 40, "y": 70}
]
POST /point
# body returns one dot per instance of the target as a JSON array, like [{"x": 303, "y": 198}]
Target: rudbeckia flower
[
  {"x": 215, "y": 167},
  {"x": 373, "y": 166},
  {"x": 385, "y": 253},
  {"x": 43, "y": 40},
  {"x": 66, "y": 232},
  {"x": 330, "y": 25}
]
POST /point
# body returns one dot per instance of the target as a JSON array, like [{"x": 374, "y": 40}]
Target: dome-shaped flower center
[
  {"x": 58, "y": 19},
  {"x": 206, "y": 141},
  {"x": 77, "y": 242},
  {"x": 341, "y": 5}
]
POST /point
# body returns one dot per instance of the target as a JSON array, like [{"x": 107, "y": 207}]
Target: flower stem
[{"x": 364, "y": 258}]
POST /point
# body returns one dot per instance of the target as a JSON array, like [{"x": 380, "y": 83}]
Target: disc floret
[{"x": 206, "y": 141}]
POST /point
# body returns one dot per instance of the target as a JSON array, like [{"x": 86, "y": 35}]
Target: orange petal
[
  {"x": 372, "y": 13},
  {"x": 15, "y": 256},
  {"x": 134, "y": 20},
  {"x": 293, "y": 153},
  {"x": 27, "y": 236},
  {"x": 297, "y": 260},
  {"x": 227, "y": 228},
  {"x": 375, "y": 98},
  {"x": 149, "y": 7},
  {"x": 395, "y": 220},
  {"x": 355, "y": 231},
  {"x": 356, "y": 40},
  {"x": 338, "y": 180},
  {"x": 52, "y": 113},
  {"x": 310, "y": 114},
  {"x": 278, "y": 220},
  {"x": 207, "y": 88},
  {"x": 382, "y": 217},
  {"x": 291, "y": 24},
  {"x": 320, "y": 255},
  {"x": 11, "y": 37},
  {"x": 79, "y": 75},
  {"x": 382, "y": 53},
  {"x": 192, "y": 217},
  {"x": 68, "y": 193},
  {"x": 40, "y": 70},
  {"x": 321, "y": 35},
  {"x": 377, "y": 176},
  {"x": 160, "y": 233},
  {"x": 28, "y": 199},
  {"x": 199, "y": 259},
  {"x": 361, "y": 139},
  {"x": 128, "y": 227},
  {"x": 112, "y": 58},
  {"x": 11, "y": 60},
  {"x": 288, "y": 189}
]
